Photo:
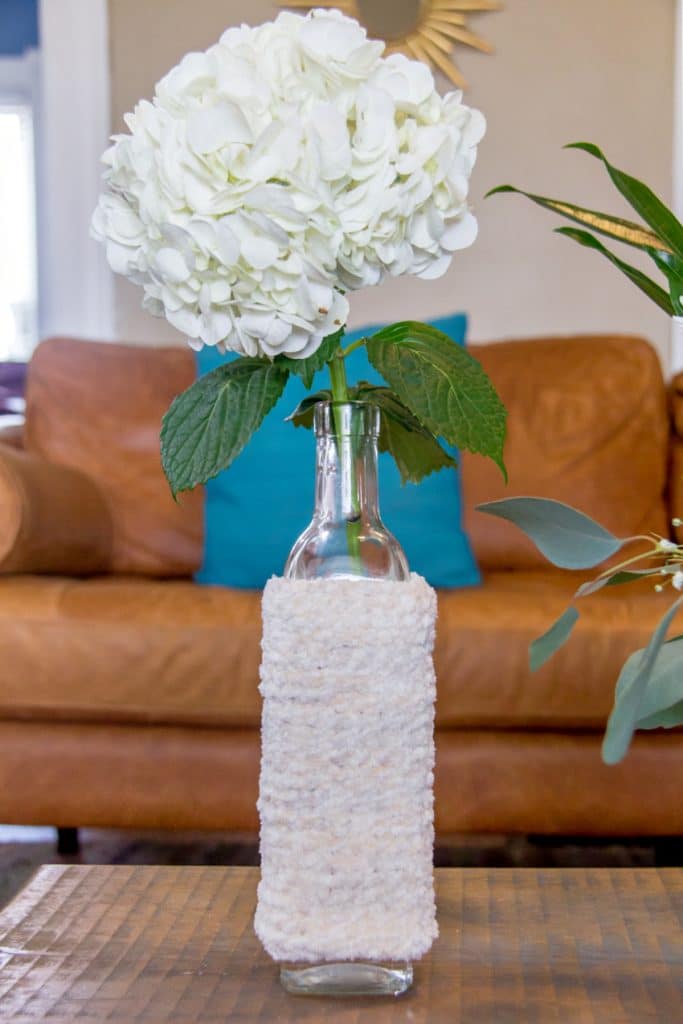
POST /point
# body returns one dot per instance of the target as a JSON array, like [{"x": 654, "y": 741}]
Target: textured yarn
[{"x": 346, "y": 792}]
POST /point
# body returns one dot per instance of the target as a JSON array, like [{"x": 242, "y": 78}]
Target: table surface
[{"x": 129, "y": 944}]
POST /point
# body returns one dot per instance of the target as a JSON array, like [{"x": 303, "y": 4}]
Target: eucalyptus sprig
[
  {"x": 435, "y": 392},
  {"x": 649, "y": 691}
]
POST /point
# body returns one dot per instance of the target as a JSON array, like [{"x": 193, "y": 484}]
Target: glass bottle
[{"x": 347, "y": 540}]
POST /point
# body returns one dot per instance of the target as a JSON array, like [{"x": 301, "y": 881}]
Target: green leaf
[
  {"x": 630, "y": 698},
  {"x": 667, "y": 718},
  {"x": 672, "y": 268},
  {"x": 664, "y": 690},
  {"x": 304, "y": 412},
  {"x": 641, "y": 280},
  {"x": 444, "y": 387},
  {"x": 307, "y": 368},
  {"x": 415, "y": 450},
  {"x": 613, "y": 581},
  {"x": 621, "y": 230},
  {"x": 208, "y": 425},
  {"x": 643, "y": 200},
  {"x": 545, "y": 646},
  {"x": 567, "y": 538}
]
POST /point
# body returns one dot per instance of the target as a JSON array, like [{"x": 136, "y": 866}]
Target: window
[{"x": 18, "y": 274}]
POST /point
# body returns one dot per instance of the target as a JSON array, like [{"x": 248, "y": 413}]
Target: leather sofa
[{"x": 128, "y": 694}]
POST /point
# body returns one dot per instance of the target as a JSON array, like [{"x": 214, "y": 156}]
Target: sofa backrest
[
  {"x": 98, "y": 407},
  {"x": 587, "y": 425}
]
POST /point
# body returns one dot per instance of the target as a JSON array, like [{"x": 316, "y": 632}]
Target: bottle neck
[
  {"x": 346, "y": 538},
  {"x": 346, "y": 479},
  {"x": 346, "y": 464}
]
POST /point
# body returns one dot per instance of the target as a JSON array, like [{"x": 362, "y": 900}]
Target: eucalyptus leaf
[
  {"x": 208, "y": 425},
  {"x": 307, "y": 368},
  {"x": 613, "y": 581},
  {"x": 650, "y": 207},
  {"x": 632, "y": 701},
  {"x": 668, "y": 718},
  {"x": 662, "y": 703},
  {"x": 641, "y": 280},
  {"x": 444, "y": 387},
  {"x": 567, "y": 537},
  {"x": 621, "y": 230},
  {"x": 415, "y": 450},
  {"x": 545, "y": 646}
]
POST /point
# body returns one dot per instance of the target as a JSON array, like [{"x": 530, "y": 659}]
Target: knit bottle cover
[{"x": 346, "y": 788}]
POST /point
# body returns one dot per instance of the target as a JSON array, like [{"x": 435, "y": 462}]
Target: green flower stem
[
  {"x": 340, "y": 388},
  {"x": 348, "y": 451},
  {"x": 352, "y": 347}
]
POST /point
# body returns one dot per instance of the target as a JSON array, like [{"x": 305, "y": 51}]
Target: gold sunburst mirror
[{"x": 427, "y": 30}]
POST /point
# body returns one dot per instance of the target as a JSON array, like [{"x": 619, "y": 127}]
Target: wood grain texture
[{"x": 130, "y": 944}]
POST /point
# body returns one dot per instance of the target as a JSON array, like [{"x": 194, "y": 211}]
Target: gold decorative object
[{"x": 426, "y": 30}]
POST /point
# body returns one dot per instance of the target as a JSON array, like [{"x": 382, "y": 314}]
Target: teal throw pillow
[{"x": 255, "y": 510}]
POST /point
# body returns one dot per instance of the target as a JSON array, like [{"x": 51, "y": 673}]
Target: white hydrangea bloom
[{"x": 288, "y": 164}]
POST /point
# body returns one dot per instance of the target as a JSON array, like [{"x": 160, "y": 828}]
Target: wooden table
[{"x": 128, "y": 944}]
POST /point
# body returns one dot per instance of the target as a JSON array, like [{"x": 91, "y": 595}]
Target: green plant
[
  {"x": 649, "y": 691},
  {"x": 661, "y": 235},
  {"x": 436, "y": 390}
]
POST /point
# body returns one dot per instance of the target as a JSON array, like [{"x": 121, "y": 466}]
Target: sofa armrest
[{"x": 53, "y": 519}]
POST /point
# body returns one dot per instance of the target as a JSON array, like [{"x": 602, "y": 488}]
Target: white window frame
[
  {"x": 76, "y": 284},
  {"x": 20, "y": 85}
]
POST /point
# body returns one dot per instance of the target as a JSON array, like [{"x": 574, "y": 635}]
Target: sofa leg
[{"x": 67, "y": 842}]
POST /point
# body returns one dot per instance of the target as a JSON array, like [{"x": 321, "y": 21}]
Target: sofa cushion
[
  {"x": 587, "y": 424},
  {"x": 135, "y": 650},
  {"x": 97, "y": 408},
  {"x": 482, "y": 651},
  {"x": 129, "y": 650}
]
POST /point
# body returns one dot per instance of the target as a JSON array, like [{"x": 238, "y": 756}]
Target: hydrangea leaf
[
  {"x": 444, "y": 387},
  {"x": 307, "y": 368},
  {"x": 304, "y": 412},
  {"x": 641, "y": 693},
  {"x": 208, "y": 425},
  {"x": 414, "y": 449},
  {"x": 567, "y": 537}
]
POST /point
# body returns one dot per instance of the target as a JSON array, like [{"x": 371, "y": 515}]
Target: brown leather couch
[{"x": 128, "y": 694}]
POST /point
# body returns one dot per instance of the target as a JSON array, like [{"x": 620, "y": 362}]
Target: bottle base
[{"x": 347, "y": 979}]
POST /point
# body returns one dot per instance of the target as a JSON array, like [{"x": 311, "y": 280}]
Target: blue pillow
[{"x": 255, "y": 510}]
